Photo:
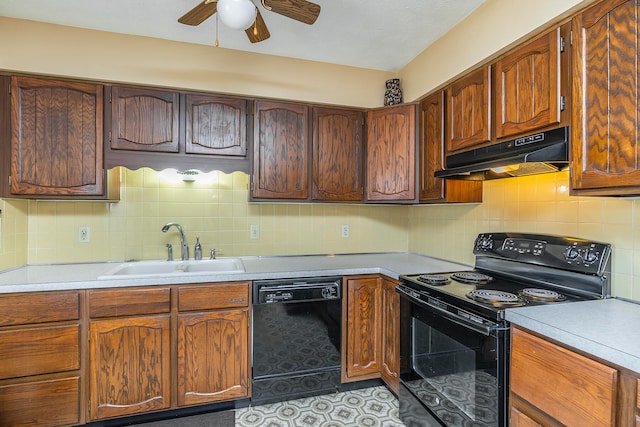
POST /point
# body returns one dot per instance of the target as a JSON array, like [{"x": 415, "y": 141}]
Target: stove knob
[
  {"x": 590, "y": 256},
  {"x": 572, "y": 253}
]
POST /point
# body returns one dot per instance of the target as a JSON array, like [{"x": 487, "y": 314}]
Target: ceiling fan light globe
[{"x": 237, "y": 14}]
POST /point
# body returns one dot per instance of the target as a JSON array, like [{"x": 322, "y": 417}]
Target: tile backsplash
[
  {"x": 218, "y": 211},
  {"x": 535, "y": 204}
]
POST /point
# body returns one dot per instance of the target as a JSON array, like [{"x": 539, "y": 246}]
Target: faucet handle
[{"x": 169, "y": 252}]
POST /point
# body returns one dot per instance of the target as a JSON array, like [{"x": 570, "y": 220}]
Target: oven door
[{"x": 453, "y": 371}]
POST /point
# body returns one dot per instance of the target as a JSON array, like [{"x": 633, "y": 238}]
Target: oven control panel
[{"x": 553, "y": 251}]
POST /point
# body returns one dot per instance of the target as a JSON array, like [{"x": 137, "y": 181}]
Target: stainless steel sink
[{"x": 147, "y": 269}]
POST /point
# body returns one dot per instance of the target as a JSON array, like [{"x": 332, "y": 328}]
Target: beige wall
[
  {"x": 66, "y": 51},
  {"x": 494, "y": 26}
]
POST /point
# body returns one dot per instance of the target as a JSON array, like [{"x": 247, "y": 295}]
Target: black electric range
[
  {"x": 454, "y": 339},
  {"x": 516, "y": 269}
]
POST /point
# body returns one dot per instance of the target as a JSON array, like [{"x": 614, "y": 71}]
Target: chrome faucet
[{"x": 183, "y": 239}]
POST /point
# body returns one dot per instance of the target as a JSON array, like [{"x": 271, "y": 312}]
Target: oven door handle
[{"x": 481, "y": 329}]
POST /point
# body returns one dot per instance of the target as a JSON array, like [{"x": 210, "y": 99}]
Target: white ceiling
[{"x": 375, "y": 34}]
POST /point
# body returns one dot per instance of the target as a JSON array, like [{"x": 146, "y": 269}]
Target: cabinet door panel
[
  {"x": 216, "y": 125},
  {"x": 129, "y": 365},
  {"x": 605, "y": 128},
  {"x": 391, "y": 151},
  {"x": 41, "y": 403},
  {"x": 569, "y": 387},
  {"x": 337, "y": 154},
  {"x": 144, "y": 119},
  {"x": 281, "y": 153},
  {"x": 49, "y": 349},
  {"x": 363, "y": 328},
  {"x": 431, "y": 152},
  {"x": 469, "y": 110},
  {"x": 528, "y": 87},
  {"x": 390, "y": 357},
  {"x": 212, "y": 356},
  {"x": 56, "y": 143}
]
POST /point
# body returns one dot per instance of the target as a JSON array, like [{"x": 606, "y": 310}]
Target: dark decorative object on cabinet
[{"x": 393, "y": 94}]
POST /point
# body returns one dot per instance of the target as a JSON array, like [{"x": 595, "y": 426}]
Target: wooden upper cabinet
[
  {"x": 280, "y": 150},
  {"x": 604, "y": 131},
  {"x": 144, "y": 119},
  {"x": 469, "y": 111},
  {"x": 391, "y": 147},
  {"x": 215, "y": 125},
  {"x": 337, "y": 154},
  {"x": 527, "y": 86},
  {"x": 56, "y": 138},
  {"x": 431, "y": 152}
]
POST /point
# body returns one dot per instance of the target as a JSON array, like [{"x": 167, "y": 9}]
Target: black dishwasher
[{"x": 296, "y": 338}]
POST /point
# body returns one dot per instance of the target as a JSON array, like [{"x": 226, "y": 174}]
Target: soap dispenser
[{"x": 197, "y": 252}]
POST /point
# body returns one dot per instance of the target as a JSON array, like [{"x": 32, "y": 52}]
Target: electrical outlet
[
  {"x": 345, "y": 230},
  {"x": 84, "y": 234},
  {"x": 254, "y": 232}
]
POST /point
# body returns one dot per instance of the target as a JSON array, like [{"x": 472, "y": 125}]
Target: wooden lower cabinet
[
  {"x": 147, "y": 343},
  {"x": 554, "y": 386},
  {"x": 638, "y": 404},
  {"x": 363, "y": 333},
  {"x": 130, "y": 366},
  {"x": 518, "y": 419},
  {"x": 390, "y": 357},
  {"x": 213, "y": 345},
  {"x": 40, "y": 359},
  {"x": 371, "y": 343}
]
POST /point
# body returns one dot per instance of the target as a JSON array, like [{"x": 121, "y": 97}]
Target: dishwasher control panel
[{"x": 297, "y": 290}]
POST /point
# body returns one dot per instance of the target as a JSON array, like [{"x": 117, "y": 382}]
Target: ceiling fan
[{"x": 300, "y": 10}]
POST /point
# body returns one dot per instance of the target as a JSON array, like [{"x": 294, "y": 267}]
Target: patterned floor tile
[{"x": 370, "y": 407}]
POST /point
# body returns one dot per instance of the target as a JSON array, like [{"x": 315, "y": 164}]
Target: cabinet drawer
[
  {"x": 571, "y": 388},
  {"x": 42, "y": 403},
  {"x": 38, "y": 307},
  {"x": 214, "y": 296},
  {"x": 39, "y": 351},
  {"x": 129, "y": 302}
]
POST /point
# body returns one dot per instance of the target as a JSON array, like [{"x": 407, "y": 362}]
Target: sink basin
[
  {"x": 147, "y": 269},
  {"x": 215, "y": 266}
]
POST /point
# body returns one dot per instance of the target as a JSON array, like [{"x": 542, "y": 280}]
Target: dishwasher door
[{"x": 296, "y": 338}]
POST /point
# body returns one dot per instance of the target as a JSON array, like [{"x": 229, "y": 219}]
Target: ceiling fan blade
[
  {"x": 300, "y": 10},
  {"x": 258, "y": 31},
  {"x": 199, "y": 14}
]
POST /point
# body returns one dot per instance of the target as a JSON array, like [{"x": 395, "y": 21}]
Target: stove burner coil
[
  {"x": 433, "y": 279},
  {"x": 546, "y": 295},
  {"x": 493, "y": 296},
  {"x": 472, "y": 277}
]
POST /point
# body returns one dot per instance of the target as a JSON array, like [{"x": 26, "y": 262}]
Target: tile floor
[{"x": 370, "y": 407}]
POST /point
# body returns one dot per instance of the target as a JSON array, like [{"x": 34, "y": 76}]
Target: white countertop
[
  {"x": 85, "y": 276},
  {"x": 608, "y": 329}
]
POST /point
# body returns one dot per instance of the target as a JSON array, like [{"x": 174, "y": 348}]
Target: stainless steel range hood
[{"x": 534, "y": 154}]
